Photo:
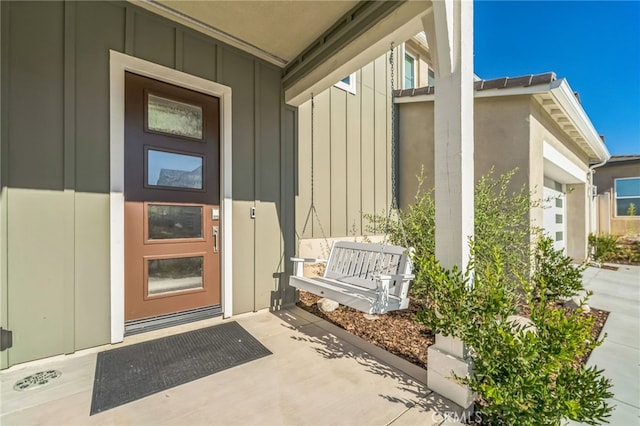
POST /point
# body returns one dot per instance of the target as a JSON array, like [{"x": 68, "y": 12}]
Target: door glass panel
[
  {"x": 169, "y": 275},
  {"x": 174, "y": 170},
  {"x": 173, "y": 117},
  {"x": 167, "y": 222}
]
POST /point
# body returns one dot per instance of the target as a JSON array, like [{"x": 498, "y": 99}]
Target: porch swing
[{"x": 372, "y": 278}]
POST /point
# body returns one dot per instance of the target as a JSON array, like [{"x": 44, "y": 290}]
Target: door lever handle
[{"x": 216, "y": 231}]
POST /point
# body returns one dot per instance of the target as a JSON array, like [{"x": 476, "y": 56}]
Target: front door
[{"x": 172, "y": 199}]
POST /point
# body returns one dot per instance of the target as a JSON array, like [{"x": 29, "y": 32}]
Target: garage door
[{"x": 554, "y": 222}]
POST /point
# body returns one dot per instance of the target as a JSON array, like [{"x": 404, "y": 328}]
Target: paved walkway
[
  {"x": 619, "y": 293},
  {"x": 317, "y": 375}
]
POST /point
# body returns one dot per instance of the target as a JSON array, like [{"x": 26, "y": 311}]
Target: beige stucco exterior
[{"x": 510, "y": 132}]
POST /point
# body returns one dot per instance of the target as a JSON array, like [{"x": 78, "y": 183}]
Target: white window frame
[
  {"x": 404, "y": 70},
  {"x": 615, "y": 195},
  {"x": 351, "y": 87}
]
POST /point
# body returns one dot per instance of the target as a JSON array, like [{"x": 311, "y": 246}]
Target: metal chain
[
  {"x": 312, "y": 207},
  {"x": 394, "y": 158}
]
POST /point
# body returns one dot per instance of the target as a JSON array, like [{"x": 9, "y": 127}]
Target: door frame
[{"x": 118, "y": 64}]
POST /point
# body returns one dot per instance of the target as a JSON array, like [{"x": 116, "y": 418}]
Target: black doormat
[{"x": 133, "y": 372}]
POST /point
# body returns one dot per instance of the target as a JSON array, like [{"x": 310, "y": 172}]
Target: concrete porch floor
[{"x": 318, "y": 375}]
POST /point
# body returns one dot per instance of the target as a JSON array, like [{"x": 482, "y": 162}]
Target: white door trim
[{"x": 119, "y": 63}]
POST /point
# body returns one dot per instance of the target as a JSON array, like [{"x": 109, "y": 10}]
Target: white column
[{"x": 449, "y": 30}]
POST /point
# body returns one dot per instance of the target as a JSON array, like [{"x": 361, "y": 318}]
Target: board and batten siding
[
  {"x": 54, "y": 168},
  {"x": 352, "y": 155}
]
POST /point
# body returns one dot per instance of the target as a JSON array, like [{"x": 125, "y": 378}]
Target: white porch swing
[{"x": 372, "y": 278}]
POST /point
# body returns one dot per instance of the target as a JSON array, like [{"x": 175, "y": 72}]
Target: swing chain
[
  {"x": 394, "y": 158},
  {"x": 312, "y": 208}
]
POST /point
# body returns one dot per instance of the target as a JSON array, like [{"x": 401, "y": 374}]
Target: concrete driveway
[{"x": 619, "y": 293}]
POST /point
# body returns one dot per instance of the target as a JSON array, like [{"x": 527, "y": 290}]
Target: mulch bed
[{"x": 397, "y": 332}]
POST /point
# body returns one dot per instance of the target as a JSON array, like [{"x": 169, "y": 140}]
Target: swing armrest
[
  {"x": 383, "y": 282},
  {"x": 298, "y": 264}
]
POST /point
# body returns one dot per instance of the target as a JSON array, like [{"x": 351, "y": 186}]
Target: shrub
[
  {"x": 501, "y": 223},
  {"x": 603, "y": 248},
  {"x": 555, "y": 272},
  {"x": 521, "y": 376}
]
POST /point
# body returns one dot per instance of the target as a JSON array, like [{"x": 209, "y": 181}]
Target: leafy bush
[
  {"x": 521, "y": 376},
  {"x": 501, "y": 223},
  {"x": 603, "y": 248},
  {"x": 555, "y": 272}
]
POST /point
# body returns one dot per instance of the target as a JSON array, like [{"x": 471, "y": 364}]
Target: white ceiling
[{"x": 280, "y": 29}]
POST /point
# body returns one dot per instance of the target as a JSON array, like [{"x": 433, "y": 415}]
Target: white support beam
[{"x": 449, "y": 30}]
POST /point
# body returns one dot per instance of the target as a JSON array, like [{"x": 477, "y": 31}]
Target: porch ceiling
[
  {"x": 280, "y": 29},
  {"x": 316, "y": 43}
]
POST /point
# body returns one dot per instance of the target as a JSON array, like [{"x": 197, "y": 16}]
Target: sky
[{"x": 595, "y": 45}]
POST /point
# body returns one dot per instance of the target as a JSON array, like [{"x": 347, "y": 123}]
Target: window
[
  {"x": 431, "y": 77},
  {"x": 409, "y": 71},
  {"x": 627, "y": 193},
  {"x": 348, "y": 83}
]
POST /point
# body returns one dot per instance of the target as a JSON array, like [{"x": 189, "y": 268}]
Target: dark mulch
[{"x": 397, "y": 332}]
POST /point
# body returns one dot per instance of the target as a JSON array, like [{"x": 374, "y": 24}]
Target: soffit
[
  {"x": 557, "y": 113},
  {"x": 281, "y": 29}
]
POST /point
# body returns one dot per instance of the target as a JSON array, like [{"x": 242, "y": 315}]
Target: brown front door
[{"x": 172, "y": 199}]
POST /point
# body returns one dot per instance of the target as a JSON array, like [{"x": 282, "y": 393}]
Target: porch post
[{"x": 449, "y": 29}]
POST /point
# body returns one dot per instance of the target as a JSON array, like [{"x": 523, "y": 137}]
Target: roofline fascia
[{"x": 564, "y": 96}]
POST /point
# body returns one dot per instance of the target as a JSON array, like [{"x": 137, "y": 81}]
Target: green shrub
[
  {"x": 603, "y": 248},
  {"x": 520, "y": 376},
  {"x": 555, "y": 272},
  {"x": 501, "y": 223}
]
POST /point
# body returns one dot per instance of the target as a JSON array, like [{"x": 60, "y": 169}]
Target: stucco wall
[
  {"x": 509, "y": 132},
  {"x": 501, "y": 141},
  {"x": 55, "y": 166},
  {"x": 574, "y": 176}
]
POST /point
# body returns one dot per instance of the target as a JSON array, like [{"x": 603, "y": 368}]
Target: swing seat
[{"x": 372, "y": 278}]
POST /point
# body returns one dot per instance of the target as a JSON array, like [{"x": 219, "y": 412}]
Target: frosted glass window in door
[{"x": 173, "y": 117}]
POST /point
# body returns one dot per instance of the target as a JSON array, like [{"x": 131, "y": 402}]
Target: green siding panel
[
  {"x": 354, "y": 180},
  {"x": 199, "y": 57},
  {"x": 37, "y": 238},
  {"x": 100, "y": 27},
  {"x": 237, "y": 71},
  {"x": 154, "y": 40},
  {"x": 322, "y": 166},
  {"x": 36, "y": 95},
  {"x": 339, "y": 162},
  {"x": 269, "y": 242},
  {"x": 92, "y": 270}
]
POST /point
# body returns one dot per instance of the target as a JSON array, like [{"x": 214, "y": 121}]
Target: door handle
[{"x": 216, "y": 231}]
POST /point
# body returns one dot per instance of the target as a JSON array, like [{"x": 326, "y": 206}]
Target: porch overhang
[{"x": 316, "y": 43}]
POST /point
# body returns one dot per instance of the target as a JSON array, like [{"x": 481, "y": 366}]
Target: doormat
[{"x": 126, "y": 374}]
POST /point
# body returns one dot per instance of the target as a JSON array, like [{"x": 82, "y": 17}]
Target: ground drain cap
[{"x": 36, "y": 380}]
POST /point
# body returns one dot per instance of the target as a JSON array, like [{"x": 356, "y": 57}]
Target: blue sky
[{"x": 595, "y": 45}]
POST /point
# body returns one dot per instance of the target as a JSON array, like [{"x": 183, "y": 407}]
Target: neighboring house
[
  {"x": 618, "y": 187},
  {"x": 534, "y": 123}
]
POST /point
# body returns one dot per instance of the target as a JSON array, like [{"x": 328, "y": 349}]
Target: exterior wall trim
[
  {"x": 119, "y": 63},
  {"x": 556, "y": 157}
]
